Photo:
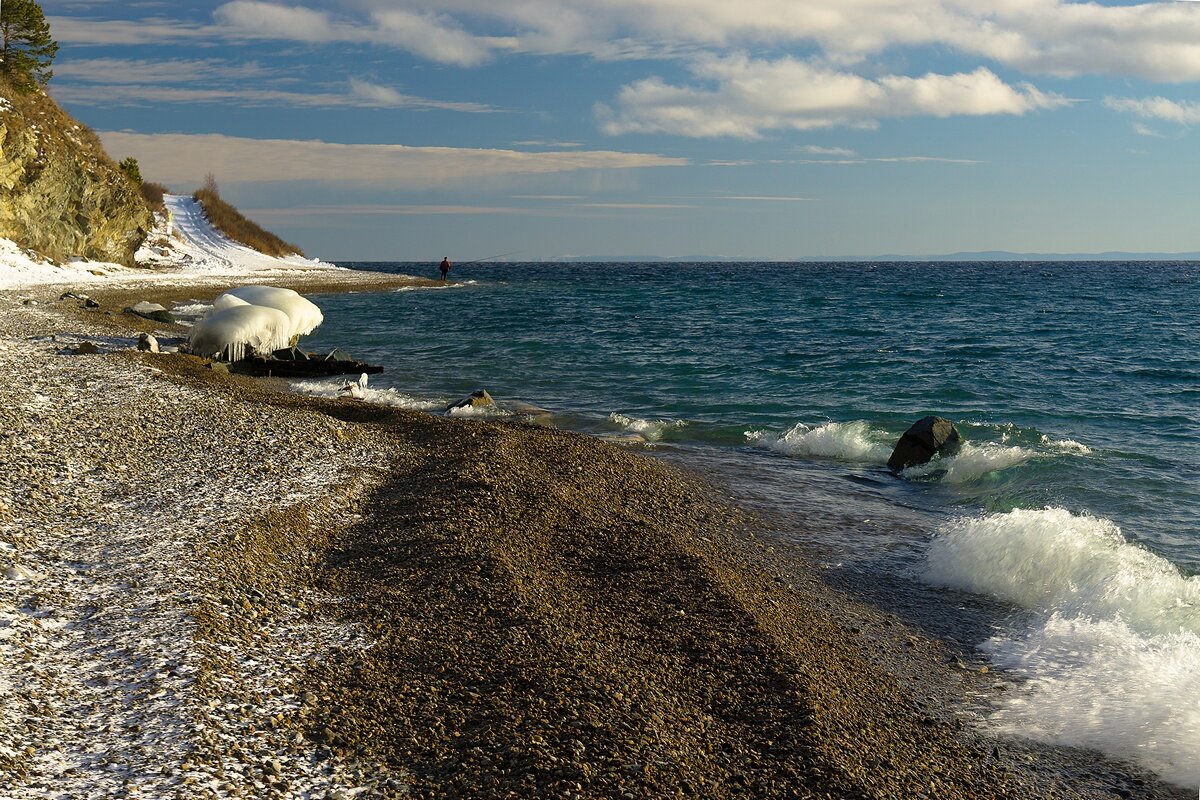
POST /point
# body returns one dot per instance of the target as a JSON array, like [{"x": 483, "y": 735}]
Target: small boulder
[
  {"x": 480, "y": 399},
  {"x": 154, "y": 311},
  {"x": 84, "y": 349},
  {"x": 90, "y": 303},
  {"x": 928, "y": 437},
  {"x": 147, "y": 343}
]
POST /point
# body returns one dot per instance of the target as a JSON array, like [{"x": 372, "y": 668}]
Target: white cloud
[
  {"x": 431, "y": 36},
  {"x": 132, "y": 71},
  {"x": 1154, "y": 40},
  {"x": 841, "y": 162},
  {"x": 753, "y": 96},
  {"x": 546, "y": 143},
  {"x": 434, "y": 37},
  {"x": 235, "y": 160},
  {"x": 816, "y": 150},
  {"x": 360, "y": 94},
  {"x": 376, "y": 96},
  {"x": 1160, "y": 108},
  {"x": 258, "y": 20},
  {"x": 153, "y": 30}
]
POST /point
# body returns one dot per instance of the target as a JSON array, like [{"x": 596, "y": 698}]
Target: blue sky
[{"x": 402, "y": 129}]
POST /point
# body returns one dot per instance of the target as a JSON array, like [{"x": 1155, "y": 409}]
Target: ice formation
[
  {"x": 303, "y": 314},
  {"x": 230, "y": 331}
]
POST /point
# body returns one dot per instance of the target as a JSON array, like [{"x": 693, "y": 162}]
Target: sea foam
[
  {"x": 651, "y": 430},
  {"x": 384, "y": 397},
  {"x": 843, "y": 441},
  {"x": 1112, "y": 657},
  {"x": 1054, "y": 560},
  {"x": 971, "y": 463}
]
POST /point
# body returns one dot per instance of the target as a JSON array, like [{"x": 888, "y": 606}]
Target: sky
[{"x": 775, "y": 129}]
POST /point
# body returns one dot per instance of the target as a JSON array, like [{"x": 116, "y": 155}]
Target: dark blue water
[{"x": 1077, "y": 387}]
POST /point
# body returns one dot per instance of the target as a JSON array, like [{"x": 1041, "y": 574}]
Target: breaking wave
[
  {"x": 971, "y": 463},
  {"x": 651, "y": 430},
  {"x": 1112, "y": 659},
  {"x": 383, "y": 397},
  {"x": 843, "y": 441}
]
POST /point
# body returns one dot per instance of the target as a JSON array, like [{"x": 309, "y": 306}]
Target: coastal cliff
[{"x": 60, "y": 194}]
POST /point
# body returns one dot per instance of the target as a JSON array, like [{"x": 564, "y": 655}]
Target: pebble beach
[{"x": 212, "y": 588}]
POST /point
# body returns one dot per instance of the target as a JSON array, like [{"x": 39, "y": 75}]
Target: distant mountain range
[{"x": 985, "y": 255}]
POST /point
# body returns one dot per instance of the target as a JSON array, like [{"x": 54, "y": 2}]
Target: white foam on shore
[
  {"x": 971, "y": 463},
  {"x": 455, "y": 285},
  {"x": 651, "y": 430},
  {"x": 1112, "y": 660},
  {"x": 476, "y": 411},
  {"x": 1099, "y": 684},
  {"x": 384, "y": 397},
  {"x": 843, "y": 441}
]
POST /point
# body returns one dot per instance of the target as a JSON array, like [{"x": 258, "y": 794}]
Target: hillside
[
  {"x": 60, "y": 194},
  {"x": 231, "y": 222}
]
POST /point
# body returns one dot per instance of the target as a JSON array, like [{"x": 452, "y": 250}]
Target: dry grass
[
  {"x": 230, "y": 222},
  {"x": 153, "y": 193}
]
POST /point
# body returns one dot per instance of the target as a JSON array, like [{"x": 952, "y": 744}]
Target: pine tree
[
  {"x": 131, "y": 168},
  {"x": 26, "y": 49}
]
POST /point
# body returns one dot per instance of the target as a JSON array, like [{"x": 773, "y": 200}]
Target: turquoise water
[
  {"x": 1085, "y": 376},
  {"x": 1073, "y": 506}
]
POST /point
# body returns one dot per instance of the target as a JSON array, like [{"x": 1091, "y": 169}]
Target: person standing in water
[{"x": 444, "y": 267}]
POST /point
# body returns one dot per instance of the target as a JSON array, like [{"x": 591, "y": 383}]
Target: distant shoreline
[{"x": 997, "y": 257}]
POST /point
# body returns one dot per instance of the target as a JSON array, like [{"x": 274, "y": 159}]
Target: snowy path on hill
[{"x": 201, "y": 248}]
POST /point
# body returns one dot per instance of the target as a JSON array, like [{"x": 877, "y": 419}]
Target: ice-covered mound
[
  {"x": 304, "y": 316},
  {"x": 231, "y": 330}
]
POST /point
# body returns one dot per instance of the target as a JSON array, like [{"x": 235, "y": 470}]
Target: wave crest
[
  {"x": 1114, "y": 662},
  {"x": 651, "y": 430},
  {"x": 843, "y": 441}
]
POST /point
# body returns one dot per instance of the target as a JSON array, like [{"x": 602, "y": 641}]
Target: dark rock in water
[
  {"x": 338, "y": 354},
  {"x": 147, "y": 343},
  {"x": 480, "y": 399},
  {"x": 84, "y": 349},
  {"x": 290, "y": 354},
  {"x": 927, "y": 438}
]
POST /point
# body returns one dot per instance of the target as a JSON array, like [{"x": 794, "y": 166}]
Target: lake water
[{"x": 1075, "y": 385}]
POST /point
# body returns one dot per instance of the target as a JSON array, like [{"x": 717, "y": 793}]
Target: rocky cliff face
[{"x": 60, "y": 194}]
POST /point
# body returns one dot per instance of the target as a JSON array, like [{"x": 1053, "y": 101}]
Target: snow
[
  {"x": 263, "y": 329},
  {"x": 302, "y": 312},
  {"x": 182, "y": 246},
  {"x": 19, "y": 268}
]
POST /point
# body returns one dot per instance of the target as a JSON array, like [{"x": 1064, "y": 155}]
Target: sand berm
[{"x": 215, "y": 588}]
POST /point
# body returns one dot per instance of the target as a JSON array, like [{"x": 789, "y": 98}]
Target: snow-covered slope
[
  {"x": 196, "y": 246},
  {"x": 186, "y": 244}
]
